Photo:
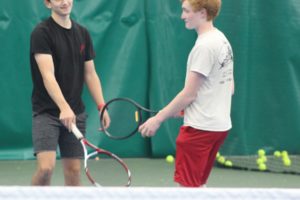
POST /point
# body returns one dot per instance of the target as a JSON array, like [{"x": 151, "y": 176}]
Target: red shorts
[{"x": 195, "y": 155}]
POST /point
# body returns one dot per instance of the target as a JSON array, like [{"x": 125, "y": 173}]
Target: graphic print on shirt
[
  {"x": 82, "y": 49},
  {"x": 225, "y": 61},
  {"x": 226, "y": 55}
]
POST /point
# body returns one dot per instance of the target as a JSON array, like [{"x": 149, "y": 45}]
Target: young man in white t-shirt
[{"x": 205, "y": 98}]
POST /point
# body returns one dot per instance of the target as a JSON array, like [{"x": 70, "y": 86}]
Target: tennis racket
[
  {"x": 125, "y": 117},
  {"x": 98, "y": 160}
]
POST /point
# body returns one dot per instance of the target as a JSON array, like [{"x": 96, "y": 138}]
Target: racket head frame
[
  {"x": 84, "y": 143},
  {"x": 139, "y": 109}
]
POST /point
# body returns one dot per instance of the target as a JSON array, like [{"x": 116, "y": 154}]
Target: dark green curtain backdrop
[{"x": 142, "y": 48}]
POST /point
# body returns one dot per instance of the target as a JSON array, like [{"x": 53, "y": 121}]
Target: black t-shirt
[{"x": 69, "y": 48}]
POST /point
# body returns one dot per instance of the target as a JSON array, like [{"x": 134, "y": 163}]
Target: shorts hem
[
  {"x": 186, "y": 185},
  {"x": 72, "y": 157},
  {"x": 40, "y": 151}
]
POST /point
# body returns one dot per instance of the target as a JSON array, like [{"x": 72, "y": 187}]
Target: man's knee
[
  {"x": 44, "y": 174},
  {"x": 72, "y": 176},
  {"x": 72, "y": 171}
]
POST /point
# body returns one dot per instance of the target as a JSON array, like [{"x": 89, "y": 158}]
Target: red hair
[{"x": 212, "y": 7}]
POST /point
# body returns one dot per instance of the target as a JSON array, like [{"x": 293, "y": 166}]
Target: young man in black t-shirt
[{"x": 61, "y": 57}]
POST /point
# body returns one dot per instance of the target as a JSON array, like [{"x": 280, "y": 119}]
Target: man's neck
[
  {"x": 206, "y": 27},
  {"x": 63, "y": 21}
]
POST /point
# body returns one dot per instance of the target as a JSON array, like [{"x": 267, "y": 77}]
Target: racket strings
[
  {"x": 106, "y": 171},
  {"x": 124, "y": 118}
]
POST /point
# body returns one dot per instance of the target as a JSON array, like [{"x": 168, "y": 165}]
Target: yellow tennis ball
[
  {"x": 277, "y": 154},
  {"x": 262, "y": 167},
  {"x": 97, "y": 158},
  {"x": 287, "y": 162},
  {"x": 284, "y": 154},
  {"x": 264, "y": 158},
  {"x": 170, "y": 159},
  {"x": 221, "y": 159},
  {"x": 218, "y": 155},
  {"x": 261, "y": 152},
  {"x": 228, "y": 163},
  {"x": 259, "y": 161}
]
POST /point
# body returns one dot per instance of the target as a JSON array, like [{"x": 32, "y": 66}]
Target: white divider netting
[{"x": 145, "y": 193}]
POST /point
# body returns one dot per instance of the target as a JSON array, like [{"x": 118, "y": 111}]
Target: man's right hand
[
  {"x": 105, "y": 120},
  {"x": 67, "y": 117}
]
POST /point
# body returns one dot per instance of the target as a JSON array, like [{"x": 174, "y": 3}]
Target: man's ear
[
  {"x": 203, "y": 12},
  {"x": 47, "y": 3}
]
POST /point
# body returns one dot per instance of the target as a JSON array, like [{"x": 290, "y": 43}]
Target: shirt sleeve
[
  {"x": 202, "y": 60},
  {"x": 40, "y": 42},
  {"x": 89, "y": 50}
]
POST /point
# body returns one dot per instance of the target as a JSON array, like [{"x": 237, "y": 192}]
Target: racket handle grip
[{"x": 76, "y": 132}]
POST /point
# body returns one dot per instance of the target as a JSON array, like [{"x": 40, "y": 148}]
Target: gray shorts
[{"x": 48, "y": 133}]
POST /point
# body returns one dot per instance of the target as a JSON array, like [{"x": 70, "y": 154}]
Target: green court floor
[{"x": 154, "y": 173}]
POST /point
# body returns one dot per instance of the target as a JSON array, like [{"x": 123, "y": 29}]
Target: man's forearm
[
  {"x": 94, "y": 86},
  {"x": 180, "y": 102},
  {"x": 55, "y": 92}
]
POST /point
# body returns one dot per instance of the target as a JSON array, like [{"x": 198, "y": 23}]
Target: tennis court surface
[{"x": 152, "y": 173}]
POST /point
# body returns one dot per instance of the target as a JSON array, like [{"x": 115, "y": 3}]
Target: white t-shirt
[{"x": 212, "y": 57}]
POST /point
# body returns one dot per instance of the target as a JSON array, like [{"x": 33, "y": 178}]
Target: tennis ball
[
  {"x": 97, "y": 158},
  {"x": 277, "y": 154},
  {"x": 287, "y": 162},
  {"x": 284, "y": 154},
  {"x": 264, "y": 158},
  {"x": 221, "y": 159},
  {"x": 218, "y": 155},
  {"x": 170, "y": 159},
  {"x": 262, "y": 167},
  {"x": 261, "y": 152},
  {"x": 259, "y": 161},
  {"x": 228, "y": 163}
]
